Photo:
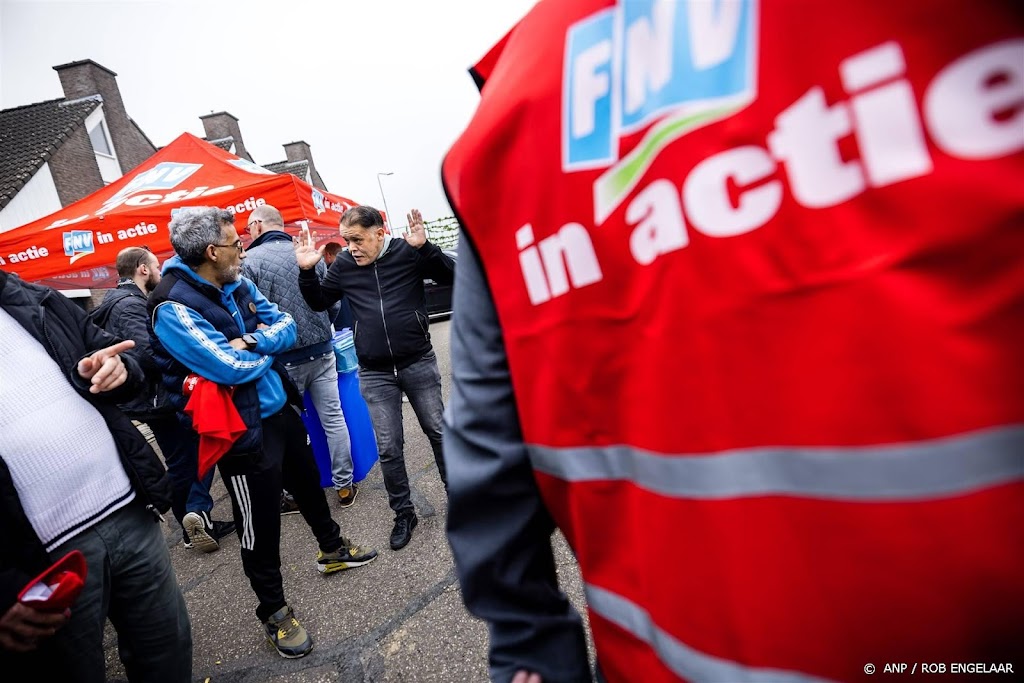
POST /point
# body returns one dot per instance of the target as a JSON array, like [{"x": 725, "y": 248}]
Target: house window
[{"x": 100, "y": 141}]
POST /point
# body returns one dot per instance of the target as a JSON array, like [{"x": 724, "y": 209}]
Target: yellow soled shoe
[
  {"x": 348, "y": 556},
  {"x": 286, "y": 634}
]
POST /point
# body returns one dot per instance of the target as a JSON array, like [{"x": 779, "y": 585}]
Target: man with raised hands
[{"x": 382, "y": 279}]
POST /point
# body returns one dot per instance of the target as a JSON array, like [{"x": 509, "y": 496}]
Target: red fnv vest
[{"x": 760, "y": 274}]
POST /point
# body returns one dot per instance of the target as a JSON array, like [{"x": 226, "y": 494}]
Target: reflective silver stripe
[
  {"x": 683, "y": 660},
  {"x": 920, "y": 470}
]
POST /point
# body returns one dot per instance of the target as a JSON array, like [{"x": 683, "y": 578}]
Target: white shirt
[{"x": 57, "y": 446}]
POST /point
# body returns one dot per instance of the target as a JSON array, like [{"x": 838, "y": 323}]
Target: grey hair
[
  {"x": 268, "y": 214},
  {"x": 194, "y": 228}
]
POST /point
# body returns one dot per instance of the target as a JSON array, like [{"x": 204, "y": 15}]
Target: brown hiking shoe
[{"x": 347, "y": 495}]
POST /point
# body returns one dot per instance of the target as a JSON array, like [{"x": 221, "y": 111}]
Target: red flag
[{"x": 214, "y": 417}]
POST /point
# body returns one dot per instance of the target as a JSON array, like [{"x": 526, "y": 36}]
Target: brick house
[
  {"x": 54, "y": 153},
  {"x": 299, "y": 163},
  {"x": 222, "y": 130}
]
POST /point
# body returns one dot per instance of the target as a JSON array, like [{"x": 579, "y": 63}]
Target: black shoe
[
  {"x": 222, "y": 529},
  {"x": 402, "y": 533},
  {"x": 288, "y": 504}
]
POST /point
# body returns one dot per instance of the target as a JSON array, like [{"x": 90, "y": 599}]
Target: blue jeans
[
  {"x": 382, "y": 391},
  {"x": 180, "y": 447},
  {"x": 320, "y": 377},
  {"x": 131, "y": 581}
]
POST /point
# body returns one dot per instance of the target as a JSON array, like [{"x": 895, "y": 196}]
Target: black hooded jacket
[
  {"x": 123, "y": 314},
  {"x": 389, "y": 305},
  {"x": 67, "y": 335}
]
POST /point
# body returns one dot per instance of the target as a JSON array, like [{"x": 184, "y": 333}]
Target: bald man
[{"x": 271, "y": 265}]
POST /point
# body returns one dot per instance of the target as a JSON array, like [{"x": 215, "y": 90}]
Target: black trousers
[{"x": 254, "y": 483}]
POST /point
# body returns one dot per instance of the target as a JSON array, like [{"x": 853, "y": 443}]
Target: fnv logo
[
  {"x": 249, "y": 166},
  {"x": 318, "y": 201},
  {"x": 164, "y": 176},
  {"x": 665, "y": 65},
  {"x": 78, "y": 243}
]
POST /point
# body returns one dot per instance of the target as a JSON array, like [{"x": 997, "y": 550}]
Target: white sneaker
[{"x": 198, "y": 535}]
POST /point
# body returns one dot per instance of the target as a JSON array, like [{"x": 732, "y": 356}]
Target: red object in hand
[
  {"x": 57, "y": 588},
  {"x": 214, "y": 417},
  {"x": 189, "y": 385}
]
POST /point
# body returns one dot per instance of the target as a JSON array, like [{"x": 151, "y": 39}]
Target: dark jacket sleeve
[
  {"x": 21, "y": 551},
  {"x": 335, "y": 308},
  {"x": 131, "y": 322},
  {"x": 95, "y": 338},
  {"x": 435, "y": 264},
  {"x": 498, "y": 527},
  {"x": 319, "y": 295}
]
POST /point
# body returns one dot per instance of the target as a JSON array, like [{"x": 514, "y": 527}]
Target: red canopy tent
[{"x": 76, "y": 247}]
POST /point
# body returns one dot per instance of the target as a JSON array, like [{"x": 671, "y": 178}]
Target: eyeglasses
[
  {"x": 248, "y": 226},
  {"x": 237, "y": 245}
]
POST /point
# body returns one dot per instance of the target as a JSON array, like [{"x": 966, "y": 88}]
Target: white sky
[{"x": 371, "y": 85}]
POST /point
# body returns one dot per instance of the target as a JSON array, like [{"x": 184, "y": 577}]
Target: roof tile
[
  {"x": 299, "y": 169},
  {"x": 30, "y": 134}
]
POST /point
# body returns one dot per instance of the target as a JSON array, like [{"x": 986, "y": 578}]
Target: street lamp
[{"x": 386, "y": 210}]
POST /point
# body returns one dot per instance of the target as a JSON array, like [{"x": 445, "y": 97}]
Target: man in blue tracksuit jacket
[{"x": 210, "y": 321}]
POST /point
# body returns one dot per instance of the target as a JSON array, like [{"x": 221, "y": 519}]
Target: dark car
[{"x": 439, "y": 297}]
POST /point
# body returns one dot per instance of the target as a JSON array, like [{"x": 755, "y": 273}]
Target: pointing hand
[{"x": 105, "y": 368}]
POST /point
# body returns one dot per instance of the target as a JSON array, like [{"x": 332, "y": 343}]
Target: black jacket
[
  {"x": 67, "y": 335},
  {"x": 389, "y": 306},
  {"x": 123, "y": 314}
]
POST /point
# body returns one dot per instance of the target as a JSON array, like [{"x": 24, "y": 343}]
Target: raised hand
[
  {"x": 306, "y": 252},
  {"x": 417, "y": 235},
  {"x": 105, "y": 368}
]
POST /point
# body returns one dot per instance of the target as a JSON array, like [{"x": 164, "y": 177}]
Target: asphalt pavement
[{"x": 398, "y": 619}]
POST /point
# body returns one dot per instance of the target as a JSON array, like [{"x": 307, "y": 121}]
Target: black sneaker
[
  {"x": 222, "y": 529},
  {"x": 288, "y": 504},
  {"x": 402, "y": 533},
  {"x": 286, "y": 634}
]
